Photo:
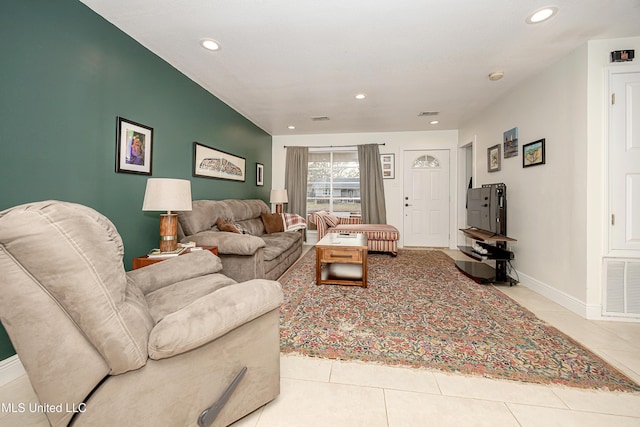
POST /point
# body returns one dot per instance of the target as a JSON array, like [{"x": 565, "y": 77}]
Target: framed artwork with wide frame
[
  {"x": 388, "y": 162},
  {"x": 533, "y": 154},
  {"x": 209, "y": 162},
  {"x": 134, "y": 147},
  {"x": 259, "y": 174},
  {"x": 493, "y": 158}
]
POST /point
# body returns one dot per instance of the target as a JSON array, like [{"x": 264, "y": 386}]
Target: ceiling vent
[
  {"x": 428, "y": 113},
  {"x": 320, "y": 118}
]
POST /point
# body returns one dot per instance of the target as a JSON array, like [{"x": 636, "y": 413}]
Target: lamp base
[
  {"x": 279, "y": 208},
  {"x": 168, "y": 232}
]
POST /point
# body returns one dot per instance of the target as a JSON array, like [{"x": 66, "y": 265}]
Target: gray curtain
[
  {"x": 295, "y": 180},
  {"x": 374, "y": 210}
]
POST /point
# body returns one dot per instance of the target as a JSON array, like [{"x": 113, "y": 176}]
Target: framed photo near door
[{"x": 388, "y": 162}]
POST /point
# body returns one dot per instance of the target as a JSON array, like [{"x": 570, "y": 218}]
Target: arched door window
[{"x": 425, "y": 162}]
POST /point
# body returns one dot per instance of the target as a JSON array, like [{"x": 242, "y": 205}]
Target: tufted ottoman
[{"x": 381, "y": 237}]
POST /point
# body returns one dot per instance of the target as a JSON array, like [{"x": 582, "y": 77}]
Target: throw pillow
[
  {"x": 272, "y": 222},
  {"x": 226, "y": 226},
  {"x": 331, "y": 220}
]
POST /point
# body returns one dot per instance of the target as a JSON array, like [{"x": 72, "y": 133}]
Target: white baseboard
[
  {"x": 567, "y": 301},
  {"x": 10, "y": 369}
]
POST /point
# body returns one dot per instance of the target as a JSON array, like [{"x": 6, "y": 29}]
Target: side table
[{"x": 143, "y": 261}]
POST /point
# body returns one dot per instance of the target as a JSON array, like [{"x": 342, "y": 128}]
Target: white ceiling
[{"x": 283, "y": 62}]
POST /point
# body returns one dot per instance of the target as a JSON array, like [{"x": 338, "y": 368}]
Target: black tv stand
[{"x": 479, "y": 271}]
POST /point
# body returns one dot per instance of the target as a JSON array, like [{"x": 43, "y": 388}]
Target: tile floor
[{"x": 320, "y": 392}]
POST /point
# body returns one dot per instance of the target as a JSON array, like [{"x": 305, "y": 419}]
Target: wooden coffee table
[{"x": 342, "y": 260}]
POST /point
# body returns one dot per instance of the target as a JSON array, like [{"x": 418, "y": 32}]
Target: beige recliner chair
[{"x": 164, "y": 345}]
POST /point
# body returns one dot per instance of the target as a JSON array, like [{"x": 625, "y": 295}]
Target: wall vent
[
  {"x": 428, "y": 113},
  {"x": 320, "y": 118},
  {"x": 622, "y": 289}
]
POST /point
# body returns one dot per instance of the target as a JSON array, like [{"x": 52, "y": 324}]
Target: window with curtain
[{"x": 333, "y": 182}]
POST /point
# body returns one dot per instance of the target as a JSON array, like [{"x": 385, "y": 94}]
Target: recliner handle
[{"x": 207, "y": 416}]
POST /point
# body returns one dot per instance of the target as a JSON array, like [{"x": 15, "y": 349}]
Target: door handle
[{"x": 407, "y": 204}]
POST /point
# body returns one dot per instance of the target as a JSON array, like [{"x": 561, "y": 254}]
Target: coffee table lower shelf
[{"x": 342, "y": 274}]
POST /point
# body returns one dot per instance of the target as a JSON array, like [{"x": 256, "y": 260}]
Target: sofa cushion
[
  {"x": 277, "y": 243},
  {"x": 272, "y": 222},
  {"x": 253, "y": 226},
  {"x": 174, "y": 297},
  {"x": 228, "y": 243},
  {"x": 212, "y": 316}
]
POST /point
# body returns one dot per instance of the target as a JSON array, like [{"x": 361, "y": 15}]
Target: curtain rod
[{"x": 327, "y": 146}]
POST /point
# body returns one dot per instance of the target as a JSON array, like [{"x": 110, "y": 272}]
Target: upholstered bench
[{"x": 380, "y": 237}]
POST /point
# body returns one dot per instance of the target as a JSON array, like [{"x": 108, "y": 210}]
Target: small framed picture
[
  {"x": 259, "y": 174},
  {"x": 388, "y": 166},
  {"x": 533, "y": 154},
  {"x": 134, "y": 145},
  {"x": 493, "y": 158},
  {"x": 511, "y": 143}
]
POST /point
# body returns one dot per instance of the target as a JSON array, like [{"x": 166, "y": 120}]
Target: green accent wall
[{"x": 66, "y": 75}]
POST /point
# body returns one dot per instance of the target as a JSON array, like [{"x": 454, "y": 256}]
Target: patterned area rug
[{"x": 420, "y": 311}]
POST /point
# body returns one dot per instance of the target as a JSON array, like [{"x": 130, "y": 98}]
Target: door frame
[{"x": 465, "y": 171}]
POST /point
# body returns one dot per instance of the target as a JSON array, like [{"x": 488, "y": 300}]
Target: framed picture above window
[
  {"x": 493, "y": 158},
  {"x": 388, "y": 166},
  {"x": 259, "y": 174},
  {"x": 134, "y": 143}
]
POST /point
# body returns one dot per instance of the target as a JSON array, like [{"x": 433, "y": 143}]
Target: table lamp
[
  {"x": 278, "y": 197},
  {"x": 166, "y": 194}
]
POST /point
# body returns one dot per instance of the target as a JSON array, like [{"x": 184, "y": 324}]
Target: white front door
[
  {"x": 426, "y": 198},
  {"x": 624, "y": 162}
]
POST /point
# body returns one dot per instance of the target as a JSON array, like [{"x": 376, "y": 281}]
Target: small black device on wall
[{"x": 623, "y": 55}]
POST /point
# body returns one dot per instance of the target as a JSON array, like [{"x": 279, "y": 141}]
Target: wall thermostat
[{"x": 623, "y": 55}]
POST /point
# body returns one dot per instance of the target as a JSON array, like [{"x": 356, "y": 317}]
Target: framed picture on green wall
[
  {"x": 209, "y": 162},
  {"x": 134, "y": 143}
]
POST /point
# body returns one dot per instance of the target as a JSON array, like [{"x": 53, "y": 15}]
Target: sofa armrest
[
  {"x": 321, "y": 225},
  {"x": 212, "y": 316},
  {"x": 173, "y": 270},
  {"x": 228, "y": 243}
]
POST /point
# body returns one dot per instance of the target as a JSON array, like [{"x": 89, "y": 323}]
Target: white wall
[
  {"x": 395, "y": 142},
  {"x": 557, "y": 211},
  {"x": 546, "y": 204}
]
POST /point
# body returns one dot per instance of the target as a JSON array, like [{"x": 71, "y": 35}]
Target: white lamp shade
[
  {"x": 279, "y": 196},
  {"x": 166, "y": 194}
]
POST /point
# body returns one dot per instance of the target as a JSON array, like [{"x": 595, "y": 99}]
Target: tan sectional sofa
[{"x": 255, "y": 254}]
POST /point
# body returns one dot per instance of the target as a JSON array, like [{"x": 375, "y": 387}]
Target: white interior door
[
  {"x": 426, "y": 198},
  {"x": 624, "y": 162}
]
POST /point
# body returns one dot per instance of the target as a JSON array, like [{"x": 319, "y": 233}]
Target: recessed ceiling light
[
  {"x": 434, "y": 122},
  {"x": 210, "y": 44},
  {"x": 541, "y": 15},
  {"x": 496, "y": 75},
  {"x": 291, "y": 127},
  {"x": 361, "y": 96}
]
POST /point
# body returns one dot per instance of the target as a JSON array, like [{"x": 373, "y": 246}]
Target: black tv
[{"x": 487, "y": 208}]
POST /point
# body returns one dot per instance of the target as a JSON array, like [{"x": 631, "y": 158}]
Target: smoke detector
[{"x": 496, "y": 75}]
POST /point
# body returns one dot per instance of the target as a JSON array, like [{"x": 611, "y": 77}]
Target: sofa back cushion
[{"x": 205, "y": 213}]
